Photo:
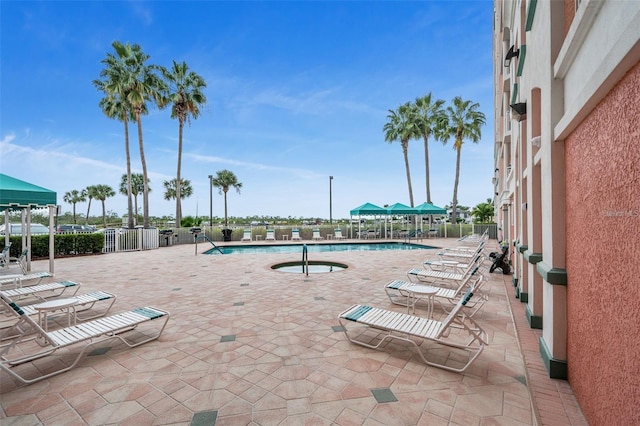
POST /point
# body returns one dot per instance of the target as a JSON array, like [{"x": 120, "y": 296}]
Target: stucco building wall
[{"x": 603, "y": 256}]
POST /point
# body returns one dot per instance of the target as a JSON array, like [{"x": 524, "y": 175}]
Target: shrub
[{"x": 63, "y": 244}]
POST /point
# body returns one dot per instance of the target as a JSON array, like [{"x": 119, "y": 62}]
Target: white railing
[{"x": 131, "y": 240}]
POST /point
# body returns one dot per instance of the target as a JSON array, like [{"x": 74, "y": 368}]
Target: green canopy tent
[
  {"x": 367, "y": 209},
  {"x": 16, "y": 194},
  {"x": 399, "y": 209},
  {"x": 429, "y": 209}
]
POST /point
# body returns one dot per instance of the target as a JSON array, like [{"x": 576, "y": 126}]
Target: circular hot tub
[{"x": 315, "y": 267}]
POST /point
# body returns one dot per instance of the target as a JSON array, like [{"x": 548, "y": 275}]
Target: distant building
[
  {"x": 464, "y": 216},
  {"x": 567, "y": 188}
]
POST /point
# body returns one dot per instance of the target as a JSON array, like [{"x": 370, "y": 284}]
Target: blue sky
[{"x": 297, "y": 92}]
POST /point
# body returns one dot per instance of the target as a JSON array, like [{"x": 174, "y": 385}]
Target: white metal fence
[{"x": 130, "y": 240}]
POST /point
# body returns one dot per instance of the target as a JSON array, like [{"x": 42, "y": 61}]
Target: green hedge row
[{"x": 64, "y": 244}]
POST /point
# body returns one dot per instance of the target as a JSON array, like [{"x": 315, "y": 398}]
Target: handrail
[
  {"x": 204, "y": 237},
  {"x": 305, "y": 259}
]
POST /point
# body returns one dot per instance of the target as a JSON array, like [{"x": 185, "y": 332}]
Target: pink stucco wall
[{"x": 603, "y": 257}]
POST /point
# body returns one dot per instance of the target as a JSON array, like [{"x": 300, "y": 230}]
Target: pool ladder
[{"x": 305, "y": 260}]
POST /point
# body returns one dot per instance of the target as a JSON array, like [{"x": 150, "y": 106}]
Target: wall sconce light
[
  {"x": 512, "y": 53},
  {"x": 520, "y": 109},
  {"x": 535, "y": 141}
]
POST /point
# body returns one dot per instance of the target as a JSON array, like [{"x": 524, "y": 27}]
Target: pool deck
[{"x": 247, "y": 345}]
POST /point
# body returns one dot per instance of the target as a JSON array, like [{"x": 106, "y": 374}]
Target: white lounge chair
[
  {"x": 42, "y": 291},
  {"x": 247, "y": 235},
  {"x": 455, "y": 265},
  {"x": 85, "y": 302},
  {"x": 316, "y": 235},
  {"x": 19, "y": 280},
  {"x": 271, "y": 235},
  {"x": 462, "y": 252},
  {"x": 337, "y": 234},
  {"x": 443, "y": 276},
  {"x": 457, "y": 331},
  {"x": 295, "y": 235},
  {"x": 24, "y": 349},
  {"x": 399, "y": 292}
]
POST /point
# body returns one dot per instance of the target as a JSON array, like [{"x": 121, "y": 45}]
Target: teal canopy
[
  {"x": 16, "y": 193},
  {"x": 428, "y": 208},
  {"x": 399, "y": 208},
  {"x": 368, "y": 209}
]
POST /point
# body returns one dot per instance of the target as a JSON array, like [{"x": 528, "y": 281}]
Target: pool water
[{"x": 317, "y": 248}]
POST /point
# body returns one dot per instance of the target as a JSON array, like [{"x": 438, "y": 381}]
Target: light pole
[
  {"x": 330, "y": 208},
  {"x": 211, "y": 202}
]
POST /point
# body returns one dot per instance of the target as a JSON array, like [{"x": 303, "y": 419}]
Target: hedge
[{"x": 64, "y": 244}]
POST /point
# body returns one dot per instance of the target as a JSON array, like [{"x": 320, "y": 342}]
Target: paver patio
[{"x": 249, "y": 345}]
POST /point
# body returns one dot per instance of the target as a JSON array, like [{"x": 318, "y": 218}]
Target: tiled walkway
[{"x": 247, "y": 345}]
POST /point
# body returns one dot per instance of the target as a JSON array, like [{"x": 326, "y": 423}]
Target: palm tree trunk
[
  {"x": 145, "y": 193},
  {"x": 426, "y": 167},
  {"x": 86, "y": 221},
  {"x": 454, "y": 203},
  {"x": 74, "y": 213},
  {"x": 405, "y": 151},
  {"x": 178, "y": 198},
  {"x": 128, "y": 154},
  {"x": 136, "y": 206},
  {"x": 226, "y": 222},
  {"x": 104, "y": 215}
]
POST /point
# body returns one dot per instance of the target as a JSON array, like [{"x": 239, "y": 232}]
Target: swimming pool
[{"x": 317, "y": 248}]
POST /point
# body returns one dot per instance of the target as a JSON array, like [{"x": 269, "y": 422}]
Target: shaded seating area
[
  {"x": 457, "y": 331},
  {"x": 26, "y": 350},
  {"x": 18, "y": 195}
]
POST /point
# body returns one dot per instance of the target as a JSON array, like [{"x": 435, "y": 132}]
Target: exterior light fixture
[
  {"x": 535, "y": 141},
  {"x": 512, "y": 53},
  {"x": 520, "y": 109}
]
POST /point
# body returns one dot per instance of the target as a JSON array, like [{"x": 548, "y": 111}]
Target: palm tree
[
  {"x": 73, "y": 197},
  {"x": 115, "y": 106},
  {"x": 428, "y": 115},
  {"x": 483, "y": 212},
  {"x": 463, "y": 121},
  {"x": 137, "y": 187},
  {"x": 128, "y": 76},
  {"x": 402, "y": 126},
  {"x": 185, "y": 93},
  {"x": 223, "y": 180},
  {"x": 171, "y": 191},
  {"x": 102, "y": 192},
  {"x": 90, "y": 193}
]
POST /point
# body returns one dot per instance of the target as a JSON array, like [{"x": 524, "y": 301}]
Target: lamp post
[
  {"x": 211, "y": 203},
  {"x": 330, "y": 207}
]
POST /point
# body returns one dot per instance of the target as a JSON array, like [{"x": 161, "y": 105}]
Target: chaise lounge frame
[
  {"x": 84, "y": 335},
  {"x": 406, "y": 328}
]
